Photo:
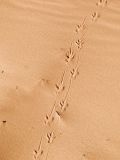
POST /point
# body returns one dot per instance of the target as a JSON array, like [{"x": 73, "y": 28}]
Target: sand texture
[{"x": 59, "y": 80}]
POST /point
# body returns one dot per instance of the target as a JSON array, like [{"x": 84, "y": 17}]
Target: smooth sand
[{"x": 59, "y": 80}]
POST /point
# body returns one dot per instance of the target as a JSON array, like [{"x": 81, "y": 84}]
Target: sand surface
[{"x": 59, "y": 80}]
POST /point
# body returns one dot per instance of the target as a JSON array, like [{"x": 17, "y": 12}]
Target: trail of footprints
[
  {"x": 96, "y": 14},
  {"x": 61, "y": 104},
  {"x": 102, "y": 3},
  {"x": 72, "y": 59}
]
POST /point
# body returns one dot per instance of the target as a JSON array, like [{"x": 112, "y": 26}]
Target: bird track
[{"x": 60, "y": 107}]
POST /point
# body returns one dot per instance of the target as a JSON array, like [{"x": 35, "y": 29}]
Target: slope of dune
[{"x": 59, "y": 80}]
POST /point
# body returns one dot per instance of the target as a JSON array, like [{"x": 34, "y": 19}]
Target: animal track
[
  {"x": 95, "y": 16},
  {"x": 63, "y": 105},
  {"x": 74, "y": 72},
  {"x": 102, "y": 3},
  {"x": 50, "y": 137},
  {"x": 79, "y": 43},
  {"x": 70, "y": 55},
  {"x": 80, "y": 27},
  {"x": 49, "y": 119},
  {"x": 60, "y": 108},
  {"x": 77, "y": 28},
  {"x": 35, "y": 154},
  {"x": 59, "y": 88},
  {"x": 39, "y": 152}
]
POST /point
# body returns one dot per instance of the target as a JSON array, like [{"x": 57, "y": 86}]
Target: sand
[{"x": 59, "y": 80}]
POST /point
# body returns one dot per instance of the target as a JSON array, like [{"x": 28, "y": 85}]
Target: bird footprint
[
  {"x": 63, "y": 105},
  {"x": 62, "y": 108},
  {"x": 81, "y": 26},
  {"x": 49, "y": 119},
  {"x": 37, "y": 154},
  {"x": 102, "y": 3},
  {"x": 50, "y": 137},
  {"x": 79, "y": 43},
  {"x": 74, "y": 72},
  {"x": 70, "y": 55},
  {"x": 59, "y": 88},
  {"x": 95, "y": 16}
]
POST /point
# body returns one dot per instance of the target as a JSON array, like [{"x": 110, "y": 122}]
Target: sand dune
[{"x": 59, "y": 80}]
